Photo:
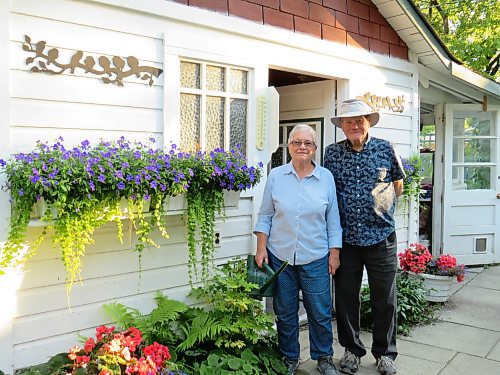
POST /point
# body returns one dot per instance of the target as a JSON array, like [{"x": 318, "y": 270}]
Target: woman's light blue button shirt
[{"x": 300, "y": 217}]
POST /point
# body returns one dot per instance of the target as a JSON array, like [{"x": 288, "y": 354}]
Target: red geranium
[
  {"x": 418, "y": 259},
  {"x": 116, "y": 352},
  {"x": 415, "y": 258}
]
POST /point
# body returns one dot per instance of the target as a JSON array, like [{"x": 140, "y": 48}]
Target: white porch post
[{"x": 6, "y": 339}]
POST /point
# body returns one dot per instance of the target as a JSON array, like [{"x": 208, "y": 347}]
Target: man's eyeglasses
[{"x": 308, "y": 144}]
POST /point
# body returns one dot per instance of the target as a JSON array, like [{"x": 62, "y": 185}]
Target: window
[
  {"x": 281, "y": 155},
  {"x": 213, "y": 106},
  {"x": 474, "y": 147}
]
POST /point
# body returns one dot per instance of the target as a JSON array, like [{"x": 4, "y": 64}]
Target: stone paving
[{"x": 465, "y": 339}]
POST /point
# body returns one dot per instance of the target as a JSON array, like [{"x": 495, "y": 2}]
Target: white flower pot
[
  {"x": 231, "y": 198},
  {"x": 438, "y": 287},
  {"x": 175, "y": 205},
  {"x": 40, "y": 207},
  {"x": 124, "y": 208}
]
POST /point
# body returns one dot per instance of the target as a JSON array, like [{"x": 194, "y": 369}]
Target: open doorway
[
  {"x": 308, "y": 99},
  {"x": 427, "y": 148}
]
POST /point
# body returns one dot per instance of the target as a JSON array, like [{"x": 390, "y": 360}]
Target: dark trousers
[{"x": 380, "y": 261}]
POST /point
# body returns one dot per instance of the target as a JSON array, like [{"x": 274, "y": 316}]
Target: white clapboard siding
[
  {"x": 397, "y": 136},
  {"x": 86, "y": 38},
  {"x": 100, "y": 265},
  {"x": 88, "y": 90},
  {"x": 33, "y": 113}
]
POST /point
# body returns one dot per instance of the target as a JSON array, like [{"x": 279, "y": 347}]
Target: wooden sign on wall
[
  {"x": 379, "y": 102},
  {"x": 113, "y": 70}
]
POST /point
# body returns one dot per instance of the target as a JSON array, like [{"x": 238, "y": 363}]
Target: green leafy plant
[
  {"x": 213, "y": 172},
  {"x": 413, "y": 177},
  {"x": 83, "y": 188},
  {"x": 229, "y": 293},
  {"x": 219, "y": 362},
  {"x": 232, "y": 330},
  {"x": 86, "y": 186},
  {"x": 412, "y": 306}
]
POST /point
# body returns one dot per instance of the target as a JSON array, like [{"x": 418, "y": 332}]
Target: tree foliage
[{"x": 470, "y": 29}]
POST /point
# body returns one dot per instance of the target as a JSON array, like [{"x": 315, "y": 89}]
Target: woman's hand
[
  {"x": 333, "y": 260},
  {"x": 261, "y": 256}
]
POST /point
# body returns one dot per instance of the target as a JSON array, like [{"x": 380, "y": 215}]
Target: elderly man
[{"x": 369, "y": 176}]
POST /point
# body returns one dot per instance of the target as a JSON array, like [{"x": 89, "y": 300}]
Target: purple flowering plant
[
  {"x": 85, "y": 185},
  {"x": 213, "y": 172},
  {"x": 413, "y": 177}
]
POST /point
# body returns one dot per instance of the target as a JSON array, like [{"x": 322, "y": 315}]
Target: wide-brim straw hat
[{"x": 354, "y": 108}]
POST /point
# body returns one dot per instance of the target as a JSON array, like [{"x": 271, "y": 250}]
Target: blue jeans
[{"x": 314, "y": 281}]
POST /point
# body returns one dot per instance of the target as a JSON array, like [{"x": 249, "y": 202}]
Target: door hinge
[
  {"x": 441, "y": 198},
  {"x": 442, "y": 158}
]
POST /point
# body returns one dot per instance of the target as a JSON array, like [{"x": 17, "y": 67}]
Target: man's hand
[{"x": 333, "y": 260}]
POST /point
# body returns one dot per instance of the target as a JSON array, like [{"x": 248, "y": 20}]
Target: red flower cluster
[
  {"x": 119, "y": 353},
  {"x": 415, "y": 258},
  {"x": 418, "y": 259},
  {"x": 447, "y": 265}
]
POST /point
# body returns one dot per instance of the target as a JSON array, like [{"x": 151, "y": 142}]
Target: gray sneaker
[
  {"x": 349, "y": 363},
  {"x": 385, "y": 366},
  {"x": 326, "y": 366},
  {"x": 292, "y": 366}
]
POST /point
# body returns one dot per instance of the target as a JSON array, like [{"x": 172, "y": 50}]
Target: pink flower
[
  {"x": 102, "y": 331},
  {"x": 418, "y": 259},
  {"x": 89, "y": 345},
  {"x": 119, "y": 353},
  {"x": 158, "y": 353}
]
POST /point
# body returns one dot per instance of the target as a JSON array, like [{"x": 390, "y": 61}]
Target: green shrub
[
  {"x": 231, "y": 334},
  {"x": 412, "y": 307}
]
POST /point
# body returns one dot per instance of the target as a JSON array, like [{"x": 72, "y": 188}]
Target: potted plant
[
  {"x": 438, "y": 272},
  {"x": 213, "y": 173},
  {"x": 86, "y": 186}
]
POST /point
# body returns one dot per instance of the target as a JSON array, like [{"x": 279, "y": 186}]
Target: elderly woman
[{"x": 299, "y": 221}]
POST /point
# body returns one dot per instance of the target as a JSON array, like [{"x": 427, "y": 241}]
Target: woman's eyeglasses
[{"x": 307, "y": 144}]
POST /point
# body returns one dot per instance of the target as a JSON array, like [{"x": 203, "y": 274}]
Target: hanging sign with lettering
[{"x": 381, "y": 102}]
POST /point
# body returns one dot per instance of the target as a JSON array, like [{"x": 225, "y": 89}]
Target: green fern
[
  {"x": 168, "y": 310},
  {"x": 121, "y": 315},
  {"x": 204, "y": 328}
]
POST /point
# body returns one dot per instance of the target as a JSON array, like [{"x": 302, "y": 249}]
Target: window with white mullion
[{"x": 223, "y": 105}]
